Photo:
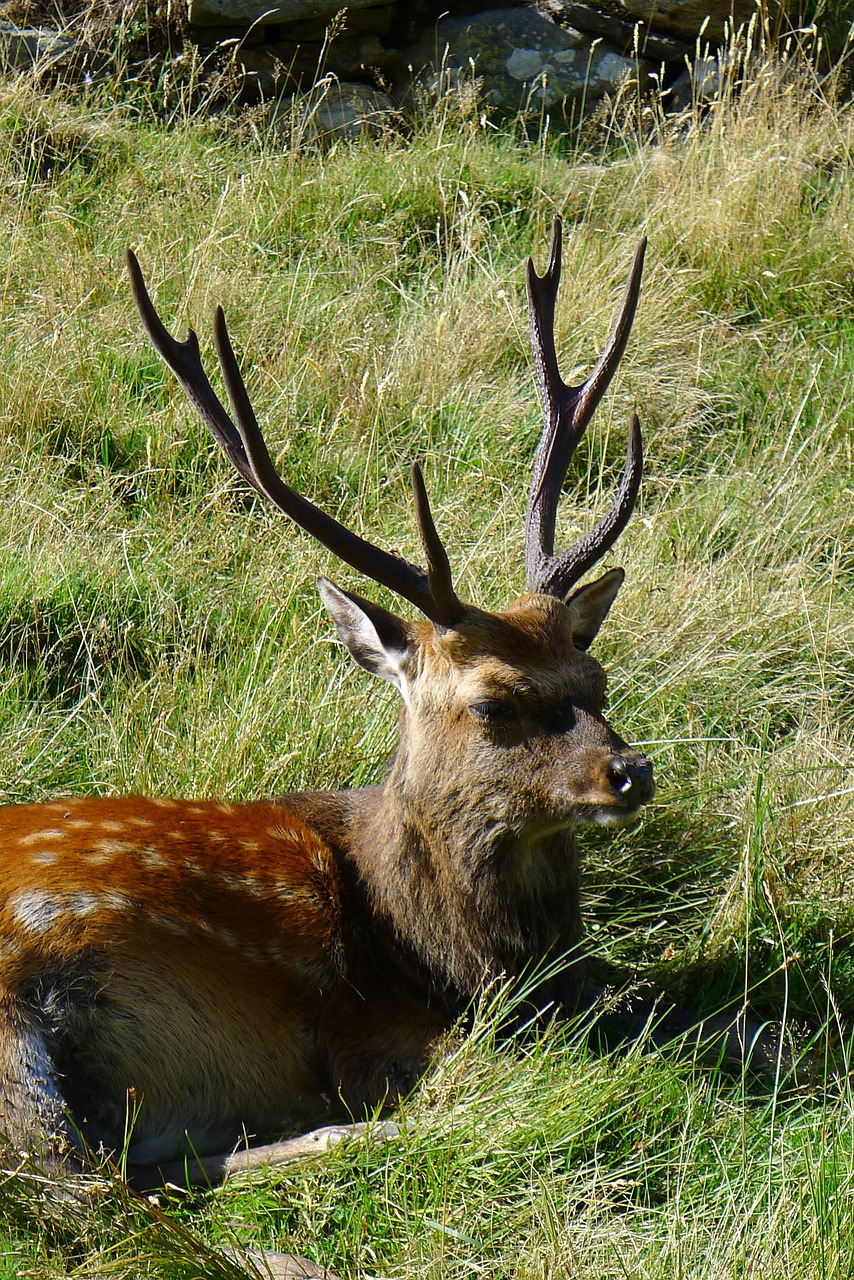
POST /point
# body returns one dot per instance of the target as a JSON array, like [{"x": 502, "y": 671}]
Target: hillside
[{"x": 160, "y": 630}]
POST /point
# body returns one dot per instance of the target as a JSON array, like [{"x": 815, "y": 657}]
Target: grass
[{"x": 160, "y": 630}]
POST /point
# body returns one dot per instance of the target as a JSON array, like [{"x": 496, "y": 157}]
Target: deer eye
[
  {"x": 564, "y": 714},
  {"x": 493, "y": 710}
]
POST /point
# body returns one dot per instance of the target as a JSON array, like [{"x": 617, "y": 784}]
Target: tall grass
[{"x": 160, "y": 630}]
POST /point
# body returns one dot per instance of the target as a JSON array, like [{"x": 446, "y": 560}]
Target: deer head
[{"x": 503, "y": 736}]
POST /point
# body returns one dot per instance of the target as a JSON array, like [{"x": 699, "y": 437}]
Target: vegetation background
[{"x": 160, "y": 630}]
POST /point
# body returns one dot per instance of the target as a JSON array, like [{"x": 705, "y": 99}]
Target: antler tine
[
  {"x": 247, "y": 451},
  {"x": 184, "y": 359},
  {"x": 567, "y": 412},
  {"x": 438, "y": 565}
]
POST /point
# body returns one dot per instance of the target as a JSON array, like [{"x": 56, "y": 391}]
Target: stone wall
[{"x": 554, "y": 57}]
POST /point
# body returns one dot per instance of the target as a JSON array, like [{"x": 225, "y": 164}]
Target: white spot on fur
[
  {"x": 43, "y": 858},
  {"x": 287, "y": 833},
  {"x": 37, "y": 837},
  {"x": 36, "y": 911},
  {"x": 112, "y": 847},
  {"x": 112, "y": 901},
  {"x": 152, "y": 858},
  {"x": 168, "y": 922},
  {"x": 97, "y": 859},
  {"x": 84, "y": 904},
  {"x": 244, "y": 884},
  {"x": 318, "y": 856}
]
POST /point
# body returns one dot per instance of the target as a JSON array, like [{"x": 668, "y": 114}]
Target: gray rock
[
  {"x": 688, "y": 17},
  {"x": 700, "y": 82},
  {"x": 48, "y": 53},
  {"x": 524, "y": 62},
  {"x": 336, "y": 110},
  {"x": 285, "y": 66},
  {"x": 627, "y": 35},
  {"x": 377, "y": 21},
  {"x": 246, "y": 13}
]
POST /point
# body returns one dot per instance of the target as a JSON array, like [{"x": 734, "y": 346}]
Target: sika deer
[{"x": 220, "y": 972}]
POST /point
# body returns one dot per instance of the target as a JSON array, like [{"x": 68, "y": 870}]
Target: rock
[
  {"x": 374, "y": 21},
  {"x": 208, "y": 37},
  {"x": 284, "y": 66},
  {"x": 247, "y": 13},
  {"x": 627, "y": 35},
  {"x": 700, "y": 82},
  {"x": 48, "y": 53},
  {"x": 709, "y": 19},
  {"x": 334, "y": 110},
  {"x": 525, "y": 63}
]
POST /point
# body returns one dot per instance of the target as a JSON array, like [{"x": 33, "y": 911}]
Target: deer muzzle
[{"x": 630, "y": 778}]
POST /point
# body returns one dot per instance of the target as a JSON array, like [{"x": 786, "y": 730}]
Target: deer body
[
  {"x": 184, "y": 974},
  {"x": 216, "y": 970}
]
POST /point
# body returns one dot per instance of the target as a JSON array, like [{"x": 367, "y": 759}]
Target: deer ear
[
  {"x": 377, "y": 639},
  {"x": 588, "y": 606}
]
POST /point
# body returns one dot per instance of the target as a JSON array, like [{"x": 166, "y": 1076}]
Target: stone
[
  {"x": 48, "y": 53},
  {"x": 628, "y": 35},
  {"x": 700, "y": 82},
  {"x": 269, "y": 70},
  {"x": 246, "y": 13},
  {"x": 525, "y": 63},
  {"x": 336, "y": 110},
  {"x": 377, "y": 21},
  {"x": 709, "y": 19}
]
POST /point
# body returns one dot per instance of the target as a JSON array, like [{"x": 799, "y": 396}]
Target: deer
[{"x": 182, "y": 977}]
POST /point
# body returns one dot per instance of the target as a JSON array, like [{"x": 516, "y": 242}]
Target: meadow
[{"x": 160, "y": 630}]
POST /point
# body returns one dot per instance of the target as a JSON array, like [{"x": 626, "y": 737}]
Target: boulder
[
  {"x": 334, "y": 110},
  {"x": 48, "y": 53},
  {"x": 628, "y": 36},
  {"x": 525, "y": 63},
  {"x": 706, "y": 19},
  {"x": 285, "y": 66},
  {"x": 249, "y": 13}
]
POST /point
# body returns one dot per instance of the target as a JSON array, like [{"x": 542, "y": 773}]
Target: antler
[
  {"x": 432, "y": 591},
  {"x": 567, "y": 411}
]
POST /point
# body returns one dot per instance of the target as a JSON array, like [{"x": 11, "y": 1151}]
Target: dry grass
[{"x": 160, "y": 631}]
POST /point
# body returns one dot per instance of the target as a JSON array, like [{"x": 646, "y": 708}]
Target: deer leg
[
  {"x": 33, "y": 1116},
  {"x": 735, "y": 1041},
  {"x": 204, "y": 1171}
]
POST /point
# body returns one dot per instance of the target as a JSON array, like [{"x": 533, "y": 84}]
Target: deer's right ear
[{"x": 377, "y": 639}]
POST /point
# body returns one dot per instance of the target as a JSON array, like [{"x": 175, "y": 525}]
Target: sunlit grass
[{"x": 160, "y": 631}]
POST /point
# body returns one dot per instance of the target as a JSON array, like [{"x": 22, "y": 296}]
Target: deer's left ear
[
  {"x": 588, "y": 606},
  {"x": 377, "y": 639}
]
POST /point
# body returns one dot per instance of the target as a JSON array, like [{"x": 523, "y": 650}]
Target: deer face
[{"x": 504, "y": 713}]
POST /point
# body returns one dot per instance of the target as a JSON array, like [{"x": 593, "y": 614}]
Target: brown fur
[{"x": 187, "y": 973}]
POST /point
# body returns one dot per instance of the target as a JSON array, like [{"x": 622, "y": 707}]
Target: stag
[{"x": 183, "y": 976}]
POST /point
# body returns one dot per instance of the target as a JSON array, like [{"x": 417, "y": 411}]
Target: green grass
[{"x": 160, "y": 631}]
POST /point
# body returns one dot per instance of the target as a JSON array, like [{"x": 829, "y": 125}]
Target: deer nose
[{"x": 631, "y": 779}]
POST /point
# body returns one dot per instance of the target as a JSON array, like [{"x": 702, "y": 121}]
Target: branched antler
[
  {"x": 567, "y": 412},
  {"x": 431, "y": 591}
]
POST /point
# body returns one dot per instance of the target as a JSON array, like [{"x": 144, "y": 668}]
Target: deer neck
[{"x": 463, "y": 899}]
